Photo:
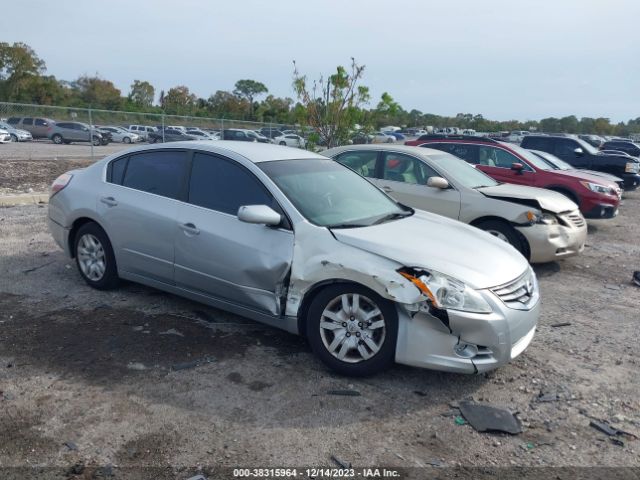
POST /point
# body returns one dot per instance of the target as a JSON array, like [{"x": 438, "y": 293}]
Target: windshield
[
  {"x": 553, "y": 161},
  {"x": 587, "y": 147},
  {"x": 462, "y": 172},
  {"x": 530, "y": 157},
  {"x": 331, "y": 195}
]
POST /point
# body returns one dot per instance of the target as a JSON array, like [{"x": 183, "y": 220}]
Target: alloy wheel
[{"x": 91, "y": 257}]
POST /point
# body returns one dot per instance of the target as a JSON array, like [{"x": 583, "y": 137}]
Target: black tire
[
  {"x": 96, "y": 141},
  {"x": 57, "y": 139},
  {"x": 14, "y": 138},
  {"x": 126, "y": 140},
  {"x": 284, "y": 144},
  {"x": 496, "y": 227},
  {"x": 153, "y": 140},
  {"x": 109, "y": 279},
  {"x": 374, "y": 364}
]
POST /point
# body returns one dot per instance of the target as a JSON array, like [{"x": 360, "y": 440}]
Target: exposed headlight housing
[
  {"x": 631, "y": 167},
  {"x": 544, "y": 218},
  {"x": 445, "y": 292},
  {"x": 597, "y": 188}
]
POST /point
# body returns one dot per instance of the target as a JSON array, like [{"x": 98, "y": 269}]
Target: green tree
[
  {"x": 19, "y": 66},
  {"x": 224, "y": 104},
  {"x": 274, "y": 109},
  {"x": 98, "y": 93},
  {"x": 179, "y": 101},
  {"x": 333, "y": 104},
  {"x": 142, "y": 93},
  {"x": 249, "y": 90}
]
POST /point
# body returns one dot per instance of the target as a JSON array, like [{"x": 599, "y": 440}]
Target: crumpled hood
[
  {"x": 548, "y": 200},
  {"x": 434, "y": 242}
]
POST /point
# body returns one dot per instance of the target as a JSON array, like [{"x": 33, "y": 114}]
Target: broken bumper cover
[
  {"x": 493, "y": 339},
  {"x": 553, "y": 242}
]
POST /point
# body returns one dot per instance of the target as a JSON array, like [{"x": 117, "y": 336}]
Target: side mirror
[
  {"x": 438, "y": 182},
  {"x": 259, "y": 214},
  {"x": 517, "y": 167},
  {"x": 579, "y": 152}
]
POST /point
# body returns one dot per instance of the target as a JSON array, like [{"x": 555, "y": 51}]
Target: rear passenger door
[
  {"x": 218, "y": 255},
  {"x": 138, "y": 205},
  {"x": 405, "y": 177}
]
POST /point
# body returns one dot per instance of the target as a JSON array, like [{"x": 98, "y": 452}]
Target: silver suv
[{"x": 67, "y": 132}]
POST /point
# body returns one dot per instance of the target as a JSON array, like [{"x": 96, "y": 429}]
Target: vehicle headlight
[
  {"x": 597, "y": 188},
  {"x": 631, "y": 167},
  {"x": 447, "y": 293},
  {"x": 544, "y": 218}
]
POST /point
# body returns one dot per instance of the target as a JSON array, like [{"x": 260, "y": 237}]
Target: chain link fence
[{"x": 37, "y": 119}]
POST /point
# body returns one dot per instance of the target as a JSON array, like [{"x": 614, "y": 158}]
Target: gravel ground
[{"x": 140, "y": 378}]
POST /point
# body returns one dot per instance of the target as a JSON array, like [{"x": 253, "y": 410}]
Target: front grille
[
  {"x": 576, "y": 220},
  {"x": 518, "y": 293}
]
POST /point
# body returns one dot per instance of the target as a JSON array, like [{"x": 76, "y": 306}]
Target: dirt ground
[{"x": 94, "y": 382}]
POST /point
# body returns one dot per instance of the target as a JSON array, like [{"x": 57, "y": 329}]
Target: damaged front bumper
[
  {"x": 548, "y": 243},
  {"x": 466, "y": 342}
]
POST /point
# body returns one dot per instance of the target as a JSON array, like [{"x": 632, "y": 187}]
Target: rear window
[
  {"x": 160, "y": 173},
  {"x": 536, "y": 143}
]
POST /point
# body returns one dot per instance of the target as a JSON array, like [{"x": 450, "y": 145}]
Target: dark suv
[
  {"x": 626, "y": 146},
  {"x": 580, "y": 154},
  {"x": 509, "y": 163}
]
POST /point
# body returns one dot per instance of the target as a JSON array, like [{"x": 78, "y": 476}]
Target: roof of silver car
[
  {"x": 253, "y": 151},
  {"x": 414, "y": 150}
]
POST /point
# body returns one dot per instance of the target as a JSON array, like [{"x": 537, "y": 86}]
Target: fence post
[
  {"x": 91, "y": 134},
  {"x": 163, "y": 128}
]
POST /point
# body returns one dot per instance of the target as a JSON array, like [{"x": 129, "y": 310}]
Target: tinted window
[
  {"x": 156, "y": 172},
  {"x": 41, "y": 123},
  {"x": 404, "y": 168},
  {"x": 225, "y": 186},
  {"x": 116, "y": 170},
  {"x": 13, "y": 120},
  {"x": 537, "y": 143},
  {"x": 64, "y": 125},
  {"x": 27, "y": 121},
  {"x": 461, "y": 150},
  {"x": 565, "y": 148},
  {"x": 362, "y": 162}
]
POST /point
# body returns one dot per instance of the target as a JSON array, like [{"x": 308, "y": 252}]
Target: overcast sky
[{"x": 504, "y": 59}]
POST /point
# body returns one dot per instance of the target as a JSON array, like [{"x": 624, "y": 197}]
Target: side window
[
  {"x": 13, "y": 120},
  {"x": 405, "y": 168},
  {"x": 115, "y": 172},
  {"x": 464, "y": 151},
  {"x": 41, "y": 123},
  {"x": 225, "y": 186},
  {"x": 157, "y": 172},
  {"x": 496, "y": 157},
  {"x": 362, "y": 162},
  {"x": 565, "y": 148},
  {"x": 27, "y": 121}
]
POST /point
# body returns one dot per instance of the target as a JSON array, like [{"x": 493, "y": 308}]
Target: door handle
[
  {"x": 387, "y": 188},
  {"x": 190, "y": 229},
  {"x": 109, "y": 201}
]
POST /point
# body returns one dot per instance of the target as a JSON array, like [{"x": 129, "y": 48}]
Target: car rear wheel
[
  {"x": 352, "y": 329},
  {"x": 504, "y": 232},
  {"x": 94, "y": 257},
  {"x": 284, "y": 144},
  {"x": 57, "y": 139}
]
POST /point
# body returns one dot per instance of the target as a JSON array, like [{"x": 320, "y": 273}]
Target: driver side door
[{"x": 220, "y": 256}]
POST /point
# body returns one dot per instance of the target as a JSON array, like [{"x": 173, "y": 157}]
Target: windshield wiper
[
  {"x": 391, "y": 216},
  {"x": 348, "y": 225}
]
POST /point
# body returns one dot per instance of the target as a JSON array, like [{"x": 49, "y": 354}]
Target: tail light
[{"x": 59, "y": 183}]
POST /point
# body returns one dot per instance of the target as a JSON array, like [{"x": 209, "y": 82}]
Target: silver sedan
[{"x": 300, "y": 242}]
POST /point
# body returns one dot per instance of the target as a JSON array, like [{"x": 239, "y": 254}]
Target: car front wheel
[
  {"x": 94, "y": 257},
  {"x": 504, "y": 232},
  {"x": 352, "y": 330},
  {"x": 126, "y": 140},
  {"x": 57, "y": 139}
]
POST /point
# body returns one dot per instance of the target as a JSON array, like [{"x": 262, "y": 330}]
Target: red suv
[{"x": 505, "y": 162}]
